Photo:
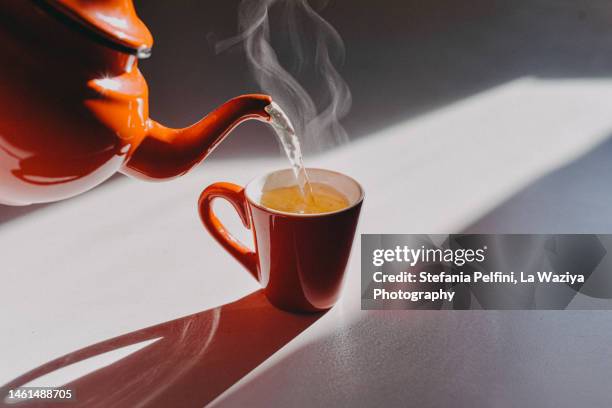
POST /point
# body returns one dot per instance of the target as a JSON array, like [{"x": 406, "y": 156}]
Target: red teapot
[{"x": 74, "y": 106}]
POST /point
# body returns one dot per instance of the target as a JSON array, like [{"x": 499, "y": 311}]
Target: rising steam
[{"x": 315, "y": 49}]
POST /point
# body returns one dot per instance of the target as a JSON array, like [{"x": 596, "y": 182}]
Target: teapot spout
[{"x": 167, "y": 153}]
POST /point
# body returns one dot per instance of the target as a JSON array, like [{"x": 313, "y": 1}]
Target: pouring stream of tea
[{"x": 291, "y": 145}]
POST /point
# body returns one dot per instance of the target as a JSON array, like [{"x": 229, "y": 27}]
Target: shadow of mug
[{"x": 191, "y": 361}]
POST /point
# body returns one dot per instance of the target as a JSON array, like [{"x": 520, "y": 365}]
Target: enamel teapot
[{"x": 74, "y": 106}]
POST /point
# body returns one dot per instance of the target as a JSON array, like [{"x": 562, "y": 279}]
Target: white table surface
[{"x": 129, "y": 254}]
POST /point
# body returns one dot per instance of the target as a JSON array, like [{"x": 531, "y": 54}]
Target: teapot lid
[{"x": 115, "y": 20}]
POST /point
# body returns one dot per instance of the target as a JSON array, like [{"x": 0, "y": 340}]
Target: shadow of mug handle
[
  {"x": 235, "y": 195},
  {"x": 80, "y": 355}
]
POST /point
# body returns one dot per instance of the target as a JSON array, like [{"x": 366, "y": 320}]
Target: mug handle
[{"x": 235, "y": 195}]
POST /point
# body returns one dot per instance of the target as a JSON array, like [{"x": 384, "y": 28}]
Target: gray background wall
[{"x": 403, "y": 57}]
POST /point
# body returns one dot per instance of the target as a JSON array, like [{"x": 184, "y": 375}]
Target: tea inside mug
[
  {"x": 321, "y": 198},
  {"x": 331, "y": 192}
]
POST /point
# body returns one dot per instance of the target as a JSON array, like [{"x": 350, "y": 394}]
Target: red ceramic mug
[{"x": 299, "y": 259}]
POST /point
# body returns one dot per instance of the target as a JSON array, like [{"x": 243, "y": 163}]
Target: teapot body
[
  {"x": 74, "y": 106},
  {"x": 72, "y": 110}
]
